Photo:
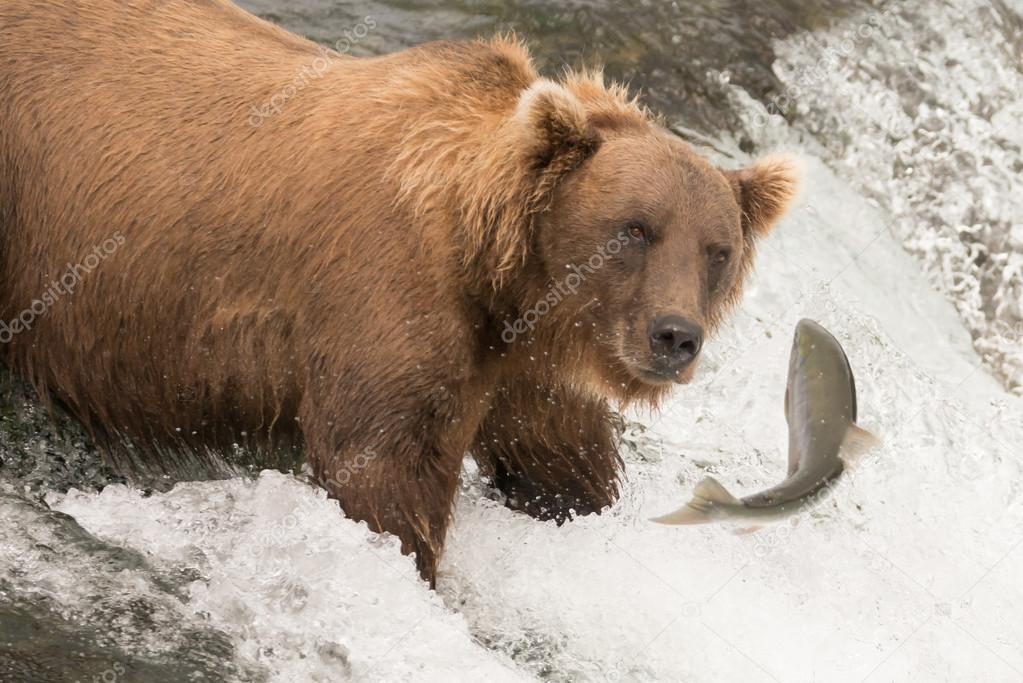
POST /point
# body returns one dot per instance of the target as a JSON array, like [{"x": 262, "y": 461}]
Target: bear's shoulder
[{"x": 500, "y": 62}]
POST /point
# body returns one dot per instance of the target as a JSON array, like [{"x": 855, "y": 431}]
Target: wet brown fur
[{"x": 341, "y": 274}]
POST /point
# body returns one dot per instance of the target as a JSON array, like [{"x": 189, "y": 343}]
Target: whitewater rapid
[{"x": 908, "y": 573}]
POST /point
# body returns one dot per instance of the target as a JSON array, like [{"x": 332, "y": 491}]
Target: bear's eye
[
  {"x": 637, "y": 231},
  {"x": 720, "y": 257}
]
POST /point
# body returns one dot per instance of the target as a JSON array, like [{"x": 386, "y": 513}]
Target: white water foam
[{"x": 919, "y": 107}]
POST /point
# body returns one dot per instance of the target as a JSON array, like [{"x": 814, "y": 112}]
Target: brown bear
[{"x": 213, "y": 230}]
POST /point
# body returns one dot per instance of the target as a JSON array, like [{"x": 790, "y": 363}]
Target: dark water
[{"x": 669, "y": 51}]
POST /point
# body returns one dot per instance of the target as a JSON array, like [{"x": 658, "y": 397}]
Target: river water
[{"x": 907, "y": 242}]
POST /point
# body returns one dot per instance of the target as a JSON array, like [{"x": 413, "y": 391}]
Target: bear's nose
[{"x": 675, "y": 341}]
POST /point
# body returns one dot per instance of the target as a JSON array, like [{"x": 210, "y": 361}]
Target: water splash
[{"x": 919, "y": 107}]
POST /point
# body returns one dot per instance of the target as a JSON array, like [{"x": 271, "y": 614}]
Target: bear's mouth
[
  {"x": 639, "y": 368},
  {"x": 650, "y": 374}
]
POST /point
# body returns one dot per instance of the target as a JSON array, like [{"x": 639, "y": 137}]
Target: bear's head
[{"x": 641, "y": 244}]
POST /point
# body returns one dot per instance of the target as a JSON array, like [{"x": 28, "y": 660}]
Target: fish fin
[
  {"x": 857, "y": 441},
  {"x": 746, "y": 530},
  {"x": 710, "y": 490},
  {"x": 695, "y": 511}
]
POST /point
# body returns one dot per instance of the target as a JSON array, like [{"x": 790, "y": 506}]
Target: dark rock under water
[{"x": 73, "y": 607}]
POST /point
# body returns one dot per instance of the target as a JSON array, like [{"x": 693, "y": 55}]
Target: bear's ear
[
  {"x": 514, "y": 180},
  {"x": 558, "y": 137},
  {"x": 764, "y": 192}
]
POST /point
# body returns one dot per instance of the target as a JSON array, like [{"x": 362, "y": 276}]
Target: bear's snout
[{"x": 675, "y": 342}]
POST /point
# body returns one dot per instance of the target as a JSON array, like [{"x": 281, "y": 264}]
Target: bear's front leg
[
  {"x": 400, "y": 478},
  {"x": 551, "y": 451}
]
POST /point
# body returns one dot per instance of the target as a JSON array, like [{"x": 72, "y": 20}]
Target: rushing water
[
  {"x": 907, "y": 242},
  {"x": 920, "y": 108}
]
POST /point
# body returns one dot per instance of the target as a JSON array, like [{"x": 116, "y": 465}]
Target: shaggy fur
[{"x": 343, "y": 275}]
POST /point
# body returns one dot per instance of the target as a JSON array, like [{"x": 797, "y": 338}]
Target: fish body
[{"x": 820, "y": 408}]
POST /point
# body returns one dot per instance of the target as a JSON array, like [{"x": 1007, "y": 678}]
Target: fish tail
[{"x": 697, "y": 511}]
